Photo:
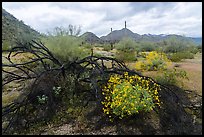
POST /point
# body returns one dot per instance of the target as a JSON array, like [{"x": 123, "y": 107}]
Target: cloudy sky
[{"x": 184, "y": 18}]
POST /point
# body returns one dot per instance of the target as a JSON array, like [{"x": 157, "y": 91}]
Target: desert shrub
[
  {"x": 153, "y": 61},
  {"x": 66, "y": 48},
  {"x": 127, "y": 95},
  {"x": 126, "y": 56},
  {"x": 174, "y": 44},
  {"x": 193, "y": 49},
  {"x": 126, "y": 44},
  {"x": 64, "y": 43},
  {"x": 174, "y": 49},
  {"x": 170, "y": 76},
  {"x": 176, "y": 57},
  {"x": 107, "y": 47},
  {"x": 140, "y": 65},
  {"x": 199, "y": 47},
  {"x": 146, "y": 46},
  {"x": 87, "y": 45}
]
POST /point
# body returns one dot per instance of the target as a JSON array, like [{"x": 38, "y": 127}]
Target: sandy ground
[{"x": 193, "y": 67}]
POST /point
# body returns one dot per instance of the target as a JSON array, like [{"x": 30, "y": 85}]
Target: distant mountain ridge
[{"x": 117, "y": 35}]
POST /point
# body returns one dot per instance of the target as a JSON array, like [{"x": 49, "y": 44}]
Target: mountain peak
[
  {"x": 90, "y": 37},
  {"x": 117, "y": 35}
]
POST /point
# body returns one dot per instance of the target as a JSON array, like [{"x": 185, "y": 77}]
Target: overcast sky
[{"x": 183, "y": 18}]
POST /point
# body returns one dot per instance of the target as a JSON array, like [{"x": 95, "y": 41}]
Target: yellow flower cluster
[
  {"x": 153, "y": 61},
  {"x": 127, "y": 95}
]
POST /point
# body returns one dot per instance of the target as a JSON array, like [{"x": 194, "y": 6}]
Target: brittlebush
[
  {"x": 127, "y": 95},
  {"x": 153, "y": 61}
]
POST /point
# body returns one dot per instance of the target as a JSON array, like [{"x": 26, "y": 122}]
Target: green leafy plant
[
  {"x": 106, "y": 47},
  {"x": 126, "y": 44},
  {"x": 66, "y": 48},
  {"x": 127, "y": 95},
  {"x": 147, "y": 46},
  {"x": 176, "y": 57},
  {"x": 57, "y": 90},
  {"x": 170, "y": 76},
  {"x": 42, "y": 99}
]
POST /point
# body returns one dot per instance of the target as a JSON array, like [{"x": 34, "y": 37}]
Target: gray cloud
[
  {"x": 98, "y": 17},
  {"x": 145, "y": 6}
]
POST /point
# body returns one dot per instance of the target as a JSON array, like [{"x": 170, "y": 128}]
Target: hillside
[
  {"x": 13, "y": 30},
  {"x": 91, "y": 38},
  {"x": 117, "y": 35}
]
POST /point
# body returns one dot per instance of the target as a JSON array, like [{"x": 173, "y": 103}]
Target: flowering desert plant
[
  {"x": 126, "y": 95},
  {"x": 153, "y": 61}
]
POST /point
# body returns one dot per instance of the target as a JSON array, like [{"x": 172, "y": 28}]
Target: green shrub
[
  {"x": 127, "y": 95},
  {"x": 146, "y": 46},
  {"x": 126, "y": 44},
  {"x": 193, "y": 50},
  {"x": 199, "y": 47},
  {"x": 66, "y": 48},
  {"x": 175, "y": 44},
  {"x": 169, "y": 76},
  {"x": 174, "y": 49},
  {"x": 126, "y": 56},
  {"x": 176, "y": 57},
  {"x": 88, "y": 46},
  {"x": 107, "y": 47}
]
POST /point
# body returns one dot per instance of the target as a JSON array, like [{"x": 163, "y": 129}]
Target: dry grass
[
  {"x": 11, "y": 91},
  {"x": 9, "y": 98}
]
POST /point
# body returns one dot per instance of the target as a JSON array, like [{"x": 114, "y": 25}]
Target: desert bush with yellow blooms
[
  {"x": 153, "y": 61},
  {"x": 125, "y": 95}
]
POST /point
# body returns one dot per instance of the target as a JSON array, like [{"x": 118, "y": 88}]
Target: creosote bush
[
  {"x": 170, "y": 76},
  {"x": 176, "y": 57},
  {"x": 125, "y": 95}
]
